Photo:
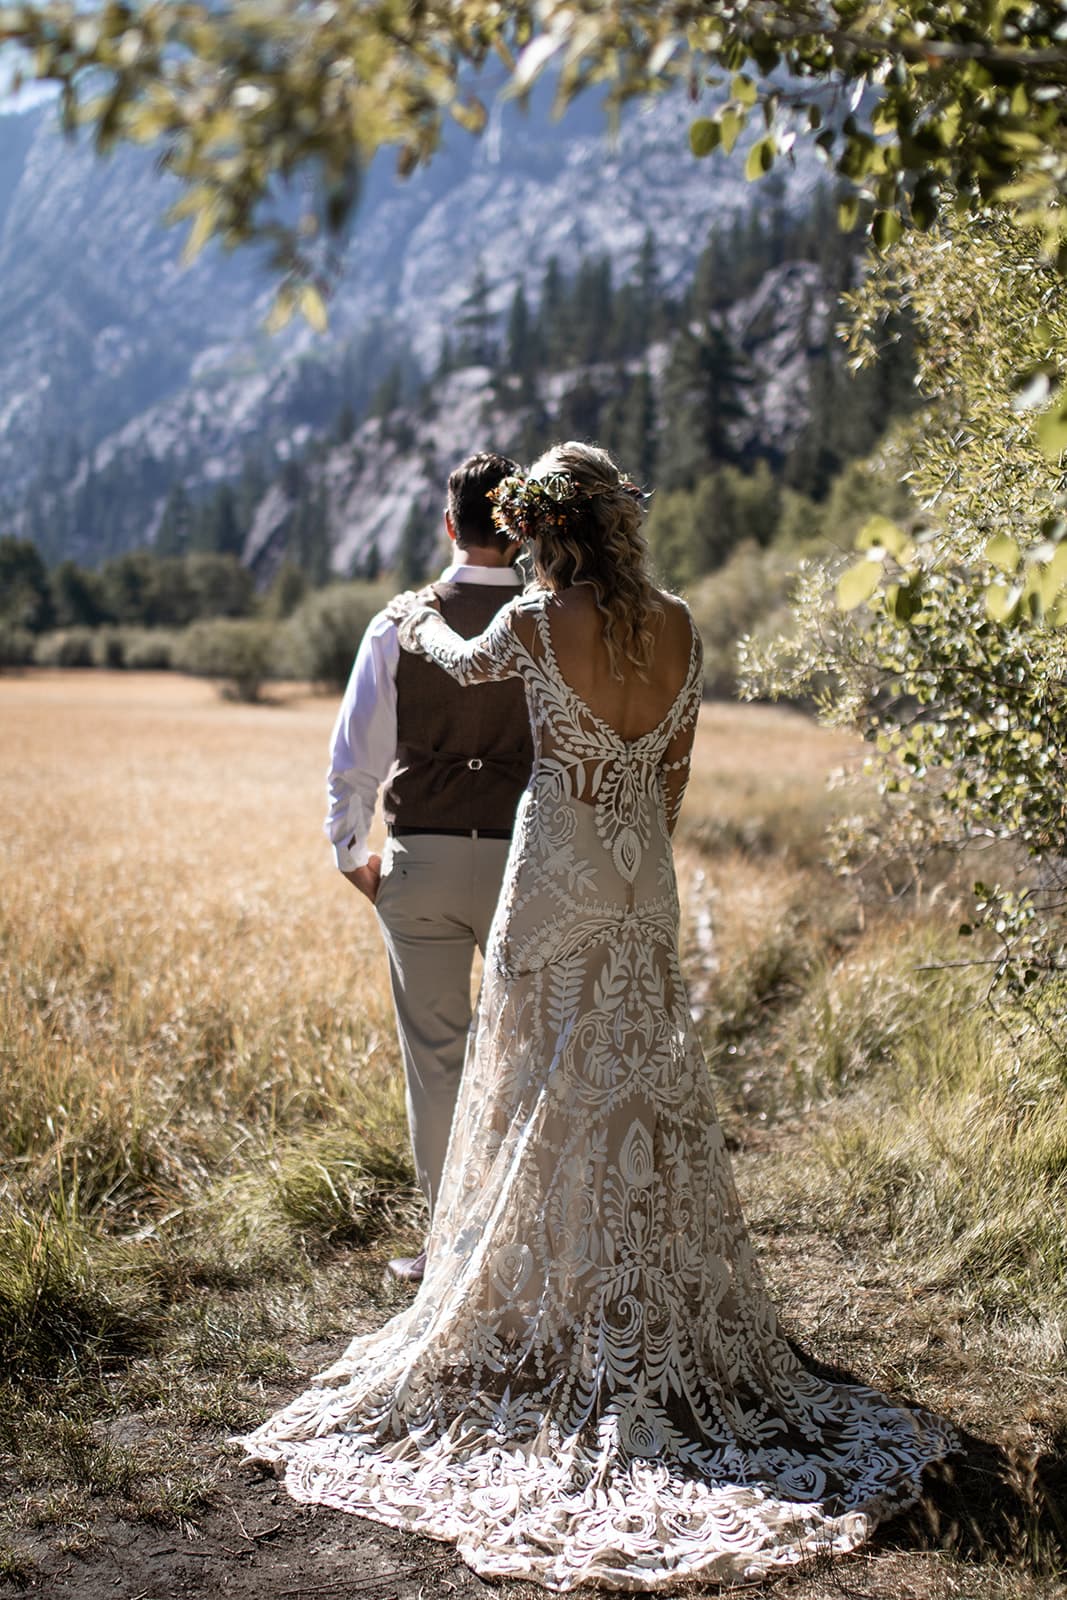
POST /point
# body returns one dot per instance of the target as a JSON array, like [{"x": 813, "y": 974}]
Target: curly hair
[{"x": 595, "y": 538}]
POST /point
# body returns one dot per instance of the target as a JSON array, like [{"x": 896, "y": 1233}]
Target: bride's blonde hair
[{"x": 598, "y": 540}]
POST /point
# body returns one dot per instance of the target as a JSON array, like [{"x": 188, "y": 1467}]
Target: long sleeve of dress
[
  {"x": 487, "y": 658},
  {"x": 677, "y": 757}
]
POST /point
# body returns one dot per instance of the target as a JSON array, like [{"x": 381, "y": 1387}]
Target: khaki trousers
[{"x": 435, "y": 905}]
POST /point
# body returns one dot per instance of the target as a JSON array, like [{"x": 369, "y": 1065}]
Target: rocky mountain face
[
  {"x": 393, "y": 469},
  {"x": 123, "y": 371}
]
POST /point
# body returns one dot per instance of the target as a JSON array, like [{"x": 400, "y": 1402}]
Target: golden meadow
[{"x": 203, "y": 1160}]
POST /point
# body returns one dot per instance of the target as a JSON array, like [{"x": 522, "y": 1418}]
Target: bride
[{"x": 591, "y": 1386}]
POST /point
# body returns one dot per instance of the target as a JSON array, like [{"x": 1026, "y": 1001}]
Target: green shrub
[
  {"x": 149, "y": 649},
  {"x": 749, "y": 592},
  {"x": 109, "y": 648},
  {"x": 16, "y": 646},
  {"x": 241, "y": 654},
  {"x": 65, "y": 647},
  {"x": 325, "y": 630}
]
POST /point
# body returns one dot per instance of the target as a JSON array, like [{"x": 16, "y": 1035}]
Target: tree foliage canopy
[
  {"x": 950, "y": 655},
  {"x": 908, "y": 100}
]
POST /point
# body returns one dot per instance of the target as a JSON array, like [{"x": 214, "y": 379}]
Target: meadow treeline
[
  {"x": 731, "y": 543},
  {"x": 198, "y": 614}
]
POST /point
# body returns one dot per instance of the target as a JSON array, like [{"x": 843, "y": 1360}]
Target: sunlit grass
[{"x": 203, "y": 1148}]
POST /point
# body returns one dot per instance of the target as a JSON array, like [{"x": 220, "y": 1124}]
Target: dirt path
[{"x": 964, "y": 1542}]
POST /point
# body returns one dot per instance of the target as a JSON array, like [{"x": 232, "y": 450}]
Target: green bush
[
  {"x": 239, "y": 653},
  {"x": 109, "y": 647},
  {"x": 748, "y": 593},
  {"x": 325, "y": 630},
  {"x": 65, "y": 647},
  {"x": 149, "y": 649},
  {"x": 16, "y": 646}
]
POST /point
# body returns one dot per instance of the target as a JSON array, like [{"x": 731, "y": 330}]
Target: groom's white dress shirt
[{"x": 363, "y": 744}]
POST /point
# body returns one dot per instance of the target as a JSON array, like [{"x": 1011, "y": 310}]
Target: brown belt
[{"x": 451, "y": 833}]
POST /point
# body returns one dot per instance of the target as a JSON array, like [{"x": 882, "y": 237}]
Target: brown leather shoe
[{"x": 409, "y": 1269}]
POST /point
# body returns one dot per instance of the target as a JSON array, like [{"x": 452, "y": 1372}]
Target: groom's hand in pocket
[{"x": 367, "y": 878}]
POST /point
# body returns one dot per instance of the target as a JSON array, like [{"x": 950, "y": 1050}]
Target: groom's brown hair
[{"x": 471, "y": 512}]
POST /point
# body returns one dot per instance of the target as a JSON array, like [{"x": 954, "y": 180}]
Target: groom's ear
[{"x": 449, "y": 529}]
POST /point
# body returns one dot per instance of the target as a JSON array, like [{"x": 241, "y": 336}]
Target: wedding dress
[{"x": 590, "y": 1386}]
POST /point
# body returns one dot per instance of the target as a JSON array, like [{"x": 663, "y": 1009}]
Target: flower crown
[{"x": 523, "y": 505}]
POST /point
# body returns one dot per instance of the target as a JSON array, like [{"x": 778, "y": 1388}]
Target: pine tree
[
  {"x": 649, "y": 288},
  {"x": 176, "y": 523},
  {"x": 372, "y": 563},
  {"x": 130, "y": 588},
  {"x": 701, "y": 398},
  {"x": 709, "y": 291},
  {"x": 220, "y": 585},
  {"x": 522, "y": 351},
  {"x": 554, "y": 320},
  {"x": 345, "y": 426},
  {"x": 418, "y": 541},
  {"x": 591, "y": 310},
  {"x": 25, "y": 596},
  {"x": 221, "y": 529},
  {"x": 446, "y": 358},
  {"x": 389, "y": 392},
  {"x": 629, "y": 334},
  {"x": 286, "y": 592},
  {"x": 309, "y": 538},
  {"x": 629, "y": 426},
  {"x": 579, "y": 412},
  {"x": 76, "y": 599},
  {"x": 476, "y": 322}
]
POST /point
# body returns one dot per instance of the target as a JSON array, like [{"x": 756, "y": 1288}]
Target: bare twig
[{"x": 367, "y": 1583}]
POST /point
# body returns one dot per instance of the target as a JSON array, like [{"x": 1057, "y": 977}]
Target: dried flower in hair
[{"x": 523, "y": 505}]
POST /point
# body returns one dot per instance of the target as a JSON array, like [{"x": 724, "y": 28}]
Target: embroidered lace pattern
[{"x": 591, "y": 1386}]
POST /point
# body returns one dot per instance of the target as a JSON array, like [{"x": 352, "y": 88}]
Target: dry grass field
[{"x": 203, "y": 1161}]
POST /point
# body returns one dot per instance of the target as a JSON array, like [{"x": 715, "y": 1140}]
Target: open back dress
[{"x": 590, "y": 1385}]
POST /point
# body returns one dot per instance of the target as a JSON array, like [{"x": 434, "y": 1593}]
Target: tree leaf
[
  {"x": 760, "y": 158},
  {"x": 313, "y": 307},
  {"x": 903, "y": 601},
  {"x": 471, "y": 114},
  {"x": 1051, "y": 429},
  {"x": 704, "y": 136},
  {"x": 858, "y": 584},
  {"x": 1000, "y": 601},
  {"x": 731, "y": 123},
  {"x": 281, "y": 312},
  {"x": 1002, "y": 552},
  {"x": 886, "y": 228},
  {"x": 879, "y": 531},
  {"x": 1053, "y": 578},
  {"x": 848, "y": 212},
  {"x": 200, "y": 232}
]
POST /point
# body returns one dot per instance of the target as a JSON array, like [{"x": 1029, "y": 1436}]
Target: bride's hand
[{"x": 402, "y": 605}]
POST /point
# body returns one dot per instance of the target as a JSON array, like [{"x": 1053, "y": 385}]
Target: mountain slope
[{"x": 109, "y": 346}]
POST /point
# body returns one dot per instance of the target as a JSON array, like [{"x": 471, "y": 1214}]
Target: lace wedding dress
[{"x": 590, "y": 1386}]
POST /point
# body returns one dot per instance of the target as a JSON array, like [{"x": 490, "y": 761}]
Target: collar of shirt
[{"x": 467, "y": 572}]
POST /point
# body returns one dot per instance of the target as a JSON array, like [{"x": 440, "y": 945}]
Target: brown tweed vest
[{"x": 445, "y": 730}]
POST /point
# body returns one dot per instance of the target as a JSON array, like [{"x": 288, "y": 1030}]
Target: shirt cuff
[{"x": 349, "y": 857}]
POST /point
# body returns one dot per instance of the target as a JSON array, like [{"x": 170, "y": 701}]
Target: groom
[{"x": 453, "y": 762}]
